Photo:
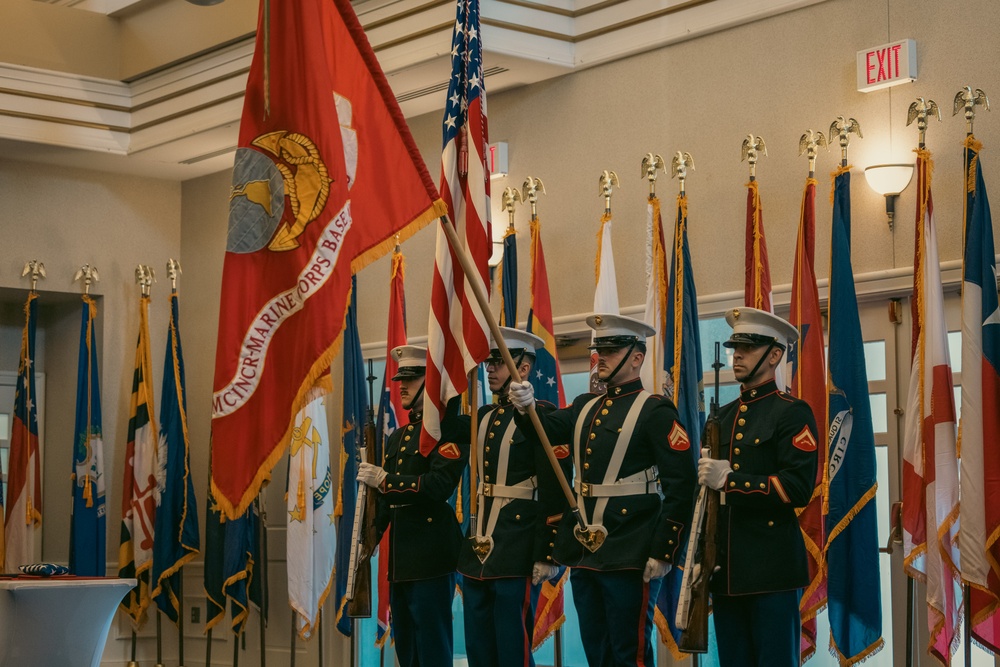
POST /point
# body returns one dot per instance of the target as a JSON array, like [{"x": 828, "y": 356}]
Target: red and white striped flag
[
  {"x": 930, "y": 464},
  {"x": 457, "y": 335}
]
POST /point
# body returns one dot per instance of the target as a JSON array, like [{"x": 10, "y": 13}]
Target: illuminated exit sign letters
[{"x": 887, "y": 65}]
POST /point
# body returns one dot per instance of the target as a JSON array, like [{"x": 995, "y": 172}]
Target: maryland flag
[
  {"x": 323, "y": 146},
  {"x": 88, "y": 523},
  {"x": 24, "y": 483},
  {"x": 139, "y": 492},
  {"x": 177, "y": 539},
  {"x": 930, "y": 464},
  {"x": 980, "y": 424},
  {"x": 808, "y": 382}
]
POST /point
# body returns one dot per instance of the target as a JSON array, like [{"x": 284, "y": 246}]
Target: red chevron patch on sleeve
[
  {"x": 449, "y": 450},
  {"x": 561, "y": 451},
  {"x": 678, "y": 438},
  {"x": 805, "y": 440}
]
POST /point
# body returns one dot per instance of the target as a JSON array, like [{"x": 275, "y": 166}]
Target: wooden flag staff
[{"x": 484, "y": 306}]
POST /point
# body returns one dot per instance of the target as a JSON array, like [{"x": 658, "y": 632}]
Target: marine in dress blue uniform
[
  {"x": 424, "y": 536},
  {"x": 635, "y": 483},
  {"x": 519, "y": 503},
  {"x": 766, "y": 470}
]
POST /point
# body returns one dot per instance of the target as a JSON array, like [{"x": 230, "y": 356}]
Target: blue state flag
[
  {"x": 87, "y": 543},
  {"x": 355, "y": 409},
  {"x": 177, "y": 540},
  {"x": 508, "y": 281},
  {"x": 852, "y": 555},
  {"x": 682, "y": 363}
]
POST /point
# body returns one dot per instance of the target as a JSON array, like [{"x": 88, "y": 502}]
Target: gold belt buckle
[
  {"x": 585, "y": 490},
  {"x": 488, "y": 490}
]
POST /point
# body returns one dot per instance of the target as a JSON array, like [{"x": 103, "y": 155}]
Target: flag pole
[
  {"x": 484, "y": 306},
  {"x": 291, "y": 650},
  {"x": 262, "y": 518},
  {"x": 236, "y": 650},
  {"x": 208, "y": 648},
  {"x": 319, "y": 623},
  {"x": 132, "y": 662},
  {"x": 159, "y": 640},
  {"x": 473, "y": 453},
  {"x": 180, "y": 617}
]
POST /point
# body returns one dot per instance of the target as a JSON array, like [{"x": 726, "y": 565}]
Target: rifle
[
  {"x": 364, "y": 539},
  {"x": 693, "y": 604}
]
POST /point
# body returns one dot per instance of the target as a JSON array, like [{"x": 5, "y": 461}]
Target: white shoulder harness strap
[
  {"x": 611, "y": 486},
  {"x": 500, "y": 492}
]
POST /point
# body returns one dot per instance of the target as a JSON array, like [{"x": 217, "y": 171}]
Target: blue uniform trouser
[
  {"x": 421, "y": 621},
  {"x": 499, "y": 621},
  {"x": 616, "y": 616},
  {"x": 760, "y": 630}
]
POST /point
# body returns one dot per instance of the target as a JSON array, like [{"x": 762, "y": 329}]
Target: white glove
[
  {"x": 522, "y": 395},
  {"x": 696, "y": 571},
  {"x": 655, "y": 569},
  {"x": 712, "y": 472},
  {"x": 543, "y": 572},
  {"x": 371, "y": 475}
]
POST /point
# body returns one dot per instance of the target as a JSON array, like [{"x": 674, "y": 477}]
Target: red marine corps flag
[{"x": 326, "y": 175}]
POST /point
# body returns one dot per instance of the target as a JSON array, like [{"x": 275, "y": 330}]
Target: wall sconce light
[
  {"x": 889, "y": 180},
  {"x": 205, "y": 3}
]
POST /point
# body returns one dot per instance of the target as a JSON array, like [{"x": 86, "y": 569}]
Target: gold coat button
[
  {"x": 747, "y": 485},
  {"x": 670, "y": 541},
  {"x": 756, "y": 441},
  {"x": 743, "y": 408},
  {"x": 406, "y": 438},
  {"x": 739, "y": 436},
  {"x": 770, "y": 523},
  {"x": 736, "y": 451},
  {"x": 512, "y": 441},
  {"x": 413, "y": 485},
  {"x": 487, "y": 478},
  {"x": 592, "y": 436},
  {"x": 608, "y": 402},
  {"x": 517, "y": 517},
  {"x": 496, "y": 423},
  {"x": 548, "y": 558},
  {"x": 597, "y": 421},
  {"x": 624, "y": 511},
  {"x": 487, "y": 449},
  {"x": 491, "y": 434},
  {"x": 589, "y": 450},
  {"x": 742, "y": 421},
  {"x": 410, "y": 427},
  {"x": 500, "y": 410},
  {"x": 732, "y": 484},
  {"x": 604, "y": 411},
  {"x": 618, "y": 390},
  {"x": 552, "y": 544},
  {"x": 402, "y": 449},
  {"x": 486, "y": 464},
  {"x": 399, "y": 460},
  {"x": 586, "y": 466},
  {"x": 430, "y": 520},
  {"x": 389, "y": 485},
  {"x": 762, "y": 485},
  {"x": 736, "y": 466},
  {"x": 675, "y": 528},
  {"x": 753, "y": 392}
]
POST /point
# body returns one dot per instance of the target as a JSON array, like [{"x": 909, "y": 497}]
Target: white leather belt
[
  {"x": 526, "y": 490},
  {"x": 641, "y": 483}
]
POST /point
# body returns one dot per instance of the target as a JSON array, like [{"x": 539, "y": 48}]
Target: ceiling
[{"x": 179, "y": 117}]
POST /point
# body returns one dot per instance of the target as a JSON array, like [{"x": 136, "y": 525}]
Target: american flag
[{"x": 457, "y": 338}]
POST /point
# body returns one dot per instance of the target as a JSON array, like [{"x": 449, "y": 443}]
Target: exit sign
[{"x": 887, "y": 65}]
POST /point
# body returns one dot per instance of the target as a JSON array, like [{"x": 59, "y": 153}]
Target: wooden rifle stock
[
  {"x": 694, "y": 597},
  {"x": 359, "y": 604},
  {"x": 694, "y": 638}
]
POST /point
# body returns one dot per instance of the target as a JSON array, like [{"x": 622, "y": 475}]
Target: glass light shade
[
  {"x": 889, "y": 179},
  {"x": 204, "y": 3}
]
